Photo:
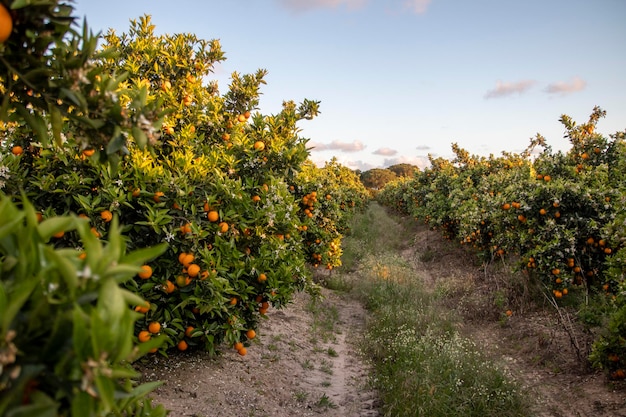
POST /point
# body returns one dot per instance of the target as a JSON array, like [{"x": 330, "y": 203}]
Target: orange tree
[
  {"x": 66, "y": 338},
  {"x": 328, "y": 197},
  {"x": 557, "y": 213}
]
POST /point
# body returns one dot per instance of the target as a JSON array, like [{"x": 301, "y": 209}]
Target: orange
[
  {"x": 259, "y": 145},
  {"x": 157, "y": 196},
  {"x": 225, "y": 136},
  {"x": 256, "y": 198},
  {"x": 95, "y": 232},
  {"x": 233, "y": 301},
  {"x": 154, "y": 327},
  {"x": 542, "y": 212},
  {"x": 223, "y": 227},
  {"x": 247, "y": 114},
  {"x": 238, "y": 346},
  {"x": 89, "y": 152},
  {"x": 251, "y": 334},
  {"x": 213, "y": 216},
  {"x": 186, "y": 228},
  {"x": 241, "y": 118},
  {"x": 182, "y": 345},
  {"x": 17, "y": 150},
  {"x": 509, "y": 313},
  {"x": 169, "y": 287},
  {"x": 144, "y": 336},
  {"x": 106, "y": 215},
  {"x": 193, "y": 270},
  {"x": 143, "y": 308},
  {"x": 186, "y": 259},
  {"x": 189, "y": 331},
  {"x": 262, "y": 278},
  {"x": 136, "y": 192},
  {"x": 146, "y": 272},
  {"x": 506, "y": 206},
  {"x": 547, "y": 178},
  {"x": 6, "y": 24},
  {"x": 59, "y": 235},
  {"x": 243, "y": 351}
]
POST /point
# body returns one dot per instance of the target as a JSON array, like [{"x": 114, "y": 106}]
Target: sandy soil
[
  {"x": 306, "y": 361},
  {"x": 303, "y": 364}
]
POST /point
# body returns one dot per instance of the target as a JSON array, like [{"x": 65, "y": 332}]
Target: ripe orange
[
  {"x": 251, "y": 334},
  {"x": 223, "y": 227},
  {"x": 256, "y": 198},
  {"x": 182, "y": 346},
  {"x": 233, "y": 301},
  {"x": 193, "y": 270},
  {"x": 6, "y": 24},
  {"x": 144, "y": 336},
  {"x": 106, "y": 215},
  {"x": 185, "y": 228},
  {"x": 509, "y": 313},
  {"x": 213, "y": 216},
  {"x": 146, "y": 272},
  {"x": 243, "y": 351},
  {"x": 157, "y": 196},
  {"x": 247, "y": 114},
  {"x": 136, "y": 192},
  {"x": 547, "y": 178},
  {"x": 89, "y": 152},
  {"x": 143, "y": 309},
  {"x": 241, "y": 118},
  {"x": 556, "y": 271},
  {"x": 506, "y": 206},
  {"x": 17, "y": 150},
  {"x": 262, "y": 278},
  {"x": 154, "y": 327},
  {"x": 238, "y": 346},
  {"x": 189, "y": 331},
  {"x": 169, "y": 287},
  {"x": 59, "y": 235},
  {"x": 225, "y": 136},
  {"x": 542, "y": 212},
  {"x": 187, "y": 259},
  {"x": 259, "y": 145}
]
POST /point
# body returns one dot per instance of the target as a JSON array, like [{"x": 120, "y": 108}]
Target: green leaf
[
  {"x": 140, "y": 137},
  {"x": 56, "y": 122},
  {"x": 54, "y": 225},
  {"x": 141, "y": 256},
  {"x": 65, "y": 268},
  {"x": 35, "y": 122}
]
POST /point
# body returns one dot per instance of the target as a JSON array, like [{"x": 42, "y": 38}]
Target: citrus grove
[
  {"x": 142, "y": 210},
  {"x": 558, "y": 216}
]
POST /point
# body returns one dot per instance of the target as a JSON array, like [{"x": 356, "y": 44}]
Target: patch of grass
[
  {"x": 325, "y": 402},
  {"x": 332, "y": 352},
  {"x": 301, "y": 396},
  {"x": 307, "y": 364},
  {"x": 422, "y": 366}
]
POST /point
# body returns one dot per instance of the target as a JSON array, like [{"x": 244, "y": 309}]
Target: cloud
[
  {"x": 420, "y": 161},
  {"x": 562, "y": 87},
  {"x": 307, "y": 5},
  {"x": 509, "y": 88},
  {"x": 423, "y": 148},
  {"x": 385, "y": 152},
  {"x": 417, "y": 6},
  {"x": 336, "y": 145}
]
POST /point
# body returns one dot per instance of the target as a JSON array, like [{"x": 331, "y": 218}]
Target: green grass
[{"x": 422, "y": 366}]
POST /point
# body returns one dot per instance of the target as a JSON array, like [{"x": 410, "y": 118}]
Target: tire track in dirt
[{"x": 305, "y": 362}]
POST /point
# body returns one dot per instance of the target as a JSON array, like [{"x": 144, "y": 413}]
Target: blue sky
[{"x": 401, "y": 79}]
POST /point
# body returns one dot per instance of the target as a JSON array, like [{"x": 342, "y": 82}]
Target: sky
[{"x": 399, "y": 80}]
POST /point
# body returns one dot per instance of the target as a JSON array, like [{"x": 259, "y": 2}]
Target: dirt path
[{"x": 305, "y": 363}]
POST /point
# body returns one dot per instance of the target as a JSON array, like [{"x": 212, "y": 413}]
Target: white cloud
[
  {"x": 504, "y": 89},
  {"x": 337, "y": 145},
  {"x": 562, "y": 87},
  {"x": 423, "y": 148},
  {"x": 417, "y": 6},
  {"x": 385, "y": 152},
  {"x": 420, "y": 161},
  {"x": 307, "y": 5}
]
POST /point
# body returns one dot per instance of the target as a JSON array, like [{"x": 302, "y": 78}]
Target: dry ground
[{"x": 306, "y": 360}]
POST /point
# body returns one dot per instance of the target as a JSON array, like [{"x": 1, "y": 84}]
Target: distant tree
[
  {"x": 403, "y": 170},
  {"x": 376, "y": 178}
]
